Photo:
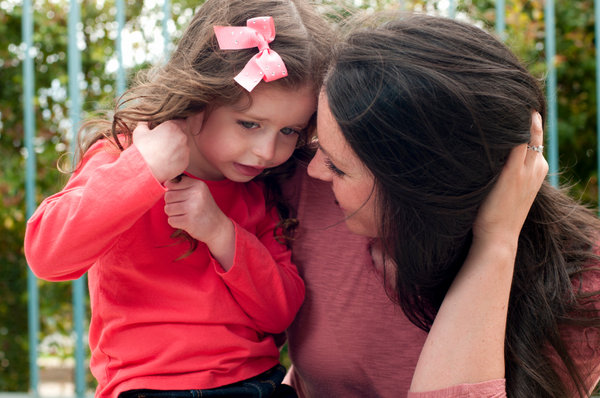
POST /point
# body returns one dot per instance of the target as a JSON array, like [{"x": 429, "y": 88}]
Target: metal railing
[{"x": 74, "y": 72}]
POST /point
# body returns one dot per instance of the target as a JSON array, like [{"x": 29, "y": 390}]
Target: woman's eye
[
  {"x": 333, "y": 168},
  {"x": 248, "y": 125},
  {"x": 289, "y": 131}
]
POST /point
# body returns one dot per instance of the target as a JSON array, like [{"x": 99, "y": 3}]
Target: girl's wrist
[{"x": 222, "y": 244}]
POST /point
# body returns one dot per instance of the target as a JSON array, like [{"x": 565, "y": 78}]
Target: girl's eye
[
  {"x": 329, "y": 164},
  {"x": 289, "y": 131},
  {"x": 248, "y": 125}
]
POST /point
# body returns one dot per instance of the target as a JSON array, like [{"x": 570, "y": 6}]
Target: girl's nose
[
  {"x": 265, "y": 147},
  {"x": 318, "y": 169}
]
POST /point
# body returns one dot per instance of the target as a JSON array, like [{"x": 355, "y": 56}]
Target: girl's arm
[
  {"x": 107, "y": 194},
  {"x": 70, "y": 230},
  {"x": 466, "y": 341},
  {"x": 263, "y": 279},
  {"x": 256, "y": 268}
]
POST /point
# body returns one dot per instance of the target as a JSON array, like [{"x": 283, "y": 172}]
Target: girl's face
[
  {"x": 238, "y": 143},
  {"x": 351, "y": 181}
]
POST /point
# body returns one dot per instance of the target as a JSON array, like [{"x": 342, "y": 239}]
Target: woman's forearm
[{"x": 466, "y": 341}]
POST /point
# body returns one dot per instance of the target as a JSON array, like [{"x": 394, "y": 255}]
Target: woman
[{"x": 415, "y": 124}]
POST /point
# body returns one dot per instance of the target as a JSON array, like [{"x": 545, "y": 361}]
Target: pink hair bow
[{"x": 258, "y": 32}]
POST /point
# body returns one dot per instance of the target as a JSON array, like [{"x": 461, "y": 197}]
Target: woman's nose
[{"x": 318, "y": 169}]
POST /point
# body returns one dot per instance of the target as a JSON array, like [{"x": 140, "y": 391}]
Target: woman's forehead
[{"x": 332, "y": 142}]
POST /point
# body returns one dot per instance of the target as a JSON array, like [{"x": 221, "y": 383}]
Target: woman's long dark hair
[{"x": 433, "y": 107}]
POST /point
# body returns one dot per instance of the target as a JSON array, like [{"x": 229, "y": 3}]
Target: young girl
[{"x": 187, "y": 279}]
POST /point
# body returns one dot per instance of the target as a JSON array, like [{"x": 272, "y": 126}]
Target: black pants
[{"x": 265, "y": 385}]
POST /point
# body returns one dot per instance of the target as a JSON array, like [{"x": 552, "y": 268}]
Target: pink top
[
  {"x": 349, "y": 339},
  {"x": 158, "y": 322}
]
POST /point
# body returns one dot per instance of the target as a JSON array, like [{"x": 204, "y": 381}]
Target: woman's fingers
[
  {"x": 537, "y": 131},
  {"x": 536, "y": 139},
  {"x": 505, "y": 209},
  {"x": 536, "y": 148}
]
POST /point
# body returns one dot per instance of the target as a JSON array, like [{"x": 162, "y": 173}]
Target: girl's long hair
[
  {"x": 199, "y": 76},
  {"x": 436, "y": 106}
]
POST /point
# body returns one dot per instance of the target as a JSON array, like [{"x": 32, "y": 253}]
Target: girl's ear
[{"x": 194, "y": 123}]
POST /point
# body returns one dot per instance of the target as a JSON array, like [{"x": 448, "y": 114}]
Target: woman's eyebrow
[
  {"x": 326, "y": 153},
  {"x": 322, "y": 149}
]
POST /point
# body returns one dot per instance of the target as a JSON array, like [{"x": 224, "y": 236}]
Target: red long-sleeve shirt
[{"x": 160, "y": 322}]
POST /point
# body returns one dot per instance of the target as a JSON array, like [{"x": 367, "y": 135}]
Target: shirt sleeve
[
  {"x": 487, "y": 389},
  {"x": 106, "y": 195},
  {"x": 583, "y": 344},
  {"x": 263, "y": 279}
]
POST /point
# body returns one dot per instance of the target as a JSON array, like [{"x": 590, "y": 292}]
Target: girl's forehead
[
  {"x": 273, "y": 92},
  {"x": 280, "y": 104}
]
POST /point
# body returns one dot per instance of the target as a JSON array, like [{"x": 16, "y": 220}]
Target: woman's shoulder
[
  {"x": 582, "y": 335},
  {"x": 586, "y": 282}
]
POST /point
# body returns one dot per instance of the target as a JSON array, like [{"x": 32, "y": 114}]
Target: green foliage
[
  {"x": 525, "y": 34},
  {"x": 575, "y": 71}
]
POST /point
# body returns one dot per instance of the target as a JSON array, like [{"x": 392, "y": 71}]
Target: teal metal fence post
[
  {"x": 500, "y": 24},
  {"x": 120, "y": 25},
  {"x": 30, "y": 202},
  {"x": 165, "y": 27},
  {"x": 552, "y": 130},
  {"x": 74, "y": 70},
  {"x": 452, "y": 9}
]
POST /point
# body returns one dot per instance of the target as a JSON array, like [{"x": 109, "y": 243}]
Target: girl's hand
[
  {"x": 190, "y": 206},
  {"x": 504, "y": 211},
  {"x": 164, "y": 148}
]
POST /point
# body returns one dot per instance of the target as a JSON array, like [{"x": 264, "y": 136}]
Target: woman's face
[{"x": 351, "y": 181}]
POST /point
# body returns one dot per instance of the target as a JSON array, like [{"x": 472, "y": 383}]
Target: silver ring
[{"x": 536, "y": 148}]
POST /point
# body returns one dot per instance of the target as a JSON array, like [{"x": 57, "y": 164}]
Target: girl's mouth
[{"x": 249, "y": 171}]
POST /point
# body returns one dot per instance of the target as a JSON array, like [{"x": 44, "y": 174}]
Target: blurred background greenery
[{"x": 525, "y": 31}]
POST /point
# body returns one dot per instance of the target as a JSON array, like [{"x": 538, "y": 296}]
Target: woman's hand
[
  {"x": 504, "y": 211},
  {"x": 189, "y": 206}
]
